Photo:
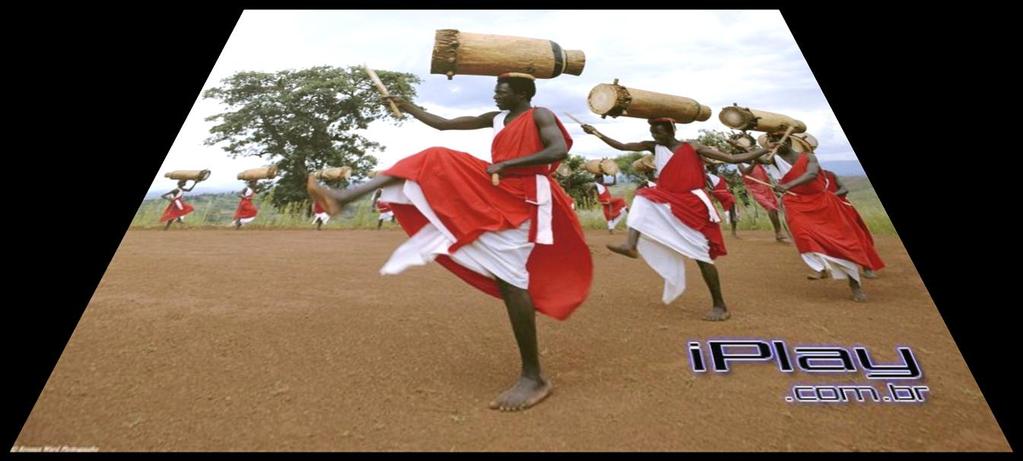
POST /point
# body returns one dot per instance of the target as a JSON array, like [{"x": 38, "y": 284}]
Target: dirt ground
[{"x": 290, "y": 340}]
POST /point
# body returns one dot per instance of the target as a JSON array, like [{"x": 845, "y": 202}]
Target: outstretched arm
[
  {"x": 459, "y": 123},
  {"x": 713, "y": 153},
  {"x": 627, "y": 146}
]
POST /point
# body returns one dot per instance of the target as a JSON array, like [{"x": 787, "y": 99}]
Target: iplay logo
[{"x": 721, "y": 355}]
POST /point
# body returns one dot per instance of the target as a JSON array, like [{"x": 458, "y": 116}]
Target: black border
[{"x": 111, "y": 89}]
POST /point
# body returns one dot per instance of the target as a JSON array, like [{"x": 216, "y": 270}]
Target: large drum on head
[
  {"x": 269, "y": 172},
  {"x": 193, "y": 175},
  {"x": 334, "y": 174},
  {"x": 466, "y": 53},
  {"x": 615, "y": 100},
  {"x": 744, "y": 118}
]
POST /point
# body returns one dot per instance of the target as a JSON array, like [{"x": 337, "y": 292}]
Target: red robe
[
  {"x": 723, "y": 195},
  {"x": 317, "y": 208},
  {"x": 764, "y": 195},
  {"x": 612, "y": 205},
  {"x": 818, "y": 219},
  {"x": 459, "y": 191},
  {"x": 246, "y": 209},
  {"x": 682, "y": 174},
  {"x": 173, "y": 212},
  {"x": 383, "y": 207},
  {"x": 863, "y": 232}
]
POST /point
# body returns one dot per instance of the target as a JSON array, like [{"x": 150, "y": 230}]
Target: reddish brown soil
[{"x": 290, "y": 341}]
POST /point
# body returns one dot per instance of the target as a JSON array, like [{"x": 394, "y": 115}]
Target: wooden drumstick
[
  {"x": 597, "y": 134},
  {"x": 495, "y": 179},
  {"x": 768, "y": 185},
  {"x": 782, "y": 141},
  {"x": 383, "y": 90}
]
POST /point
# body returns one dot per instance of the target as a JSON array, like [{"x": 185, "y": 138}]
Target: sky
[{"x": 715, "y": 57}]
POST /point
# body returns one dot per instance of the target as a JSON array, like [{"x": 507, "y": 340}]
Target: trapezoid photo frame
[{"x": 238, "y": 314}]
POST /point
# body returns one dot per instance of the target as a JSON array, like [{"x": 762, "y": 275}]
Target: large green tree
[{"x": 303, "y": 120}]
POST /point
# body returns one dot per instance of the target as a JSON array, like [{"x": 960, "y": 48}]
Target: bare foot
[
  {"x": 717, "y": 314},
  {"x": 858, "y": 295},
  {"x": 524, "y": 394},
  {"x": 782, "y": 239},
  {"x": 818, "y": 276},
  {"x": 867, "y": 273},
  {"x": 319, "y": 194},
  {"x": 624, "y": 250},
  {"x": 736, "y": 236}
]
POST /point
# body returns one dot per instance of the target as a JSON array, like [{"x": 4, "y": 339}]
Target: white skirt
[
  {"x": 323, "y": 217},
  {"x": 838, "y": 267},
  {"x": 665, "y": 243},
  {"x": 501, "y": 254}
]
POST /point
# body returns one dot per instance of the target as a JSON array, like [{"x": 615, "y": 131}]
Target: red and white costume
[
  {"x": 246, "y": 211},
  {"x": 522, "y": 231},
  {"x": 824, "y": 234},
  {"x": 676, "y": 218},
  {"x": 863, "y": 232},
  {"x": 177, "y": 208},
  {"x": 762, "y": 193},
  {"x": 719, "y": 190},
  {"x": 385, "y": 211},
  {"x": 614, "y": 207},
  {"x": 319, "y": 212}
]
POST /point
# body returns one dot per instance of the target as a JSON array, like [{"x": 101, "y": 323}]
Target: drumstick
[
  {"x": 573, "y": 118},
  {"x": 383, "y": 90},
  {"x": 782, "y": 141},
  {"x": 495, "y": 179},
  {"x": 768, "y": 185}
]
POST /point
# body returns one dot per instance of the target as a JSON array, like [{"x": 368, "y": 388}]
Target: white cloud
[{"x": 715, "y": 57}]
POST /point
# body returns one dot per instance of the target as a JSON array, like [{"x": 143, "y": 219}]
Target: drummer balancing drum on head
[
  {"x": 518, "y": 240},
  {"x": 247, "y": 211},
  {"x": 614, "y": 208},
  {"x": 825, "y": 234},
  {"x": 674, "y": 219},
  {"x": 177, "y": 209}
]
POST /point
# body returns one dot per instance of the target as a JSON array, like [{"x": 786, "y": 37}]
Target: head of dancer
[
  {"x": 663, "y": 130},
  {"x": 513, "y": 90}
]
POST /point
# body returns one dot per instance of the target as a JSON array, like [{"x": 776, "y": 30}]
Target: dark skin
[
  {"x": 251, "y": 185},
  {"x": 813, "y": 169},
  {"x": 170, "y": 196},
  {"x": 531, "y": 387},
  {"x": 779, "y": 233},
  {"x": 665, "y": 136}
]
